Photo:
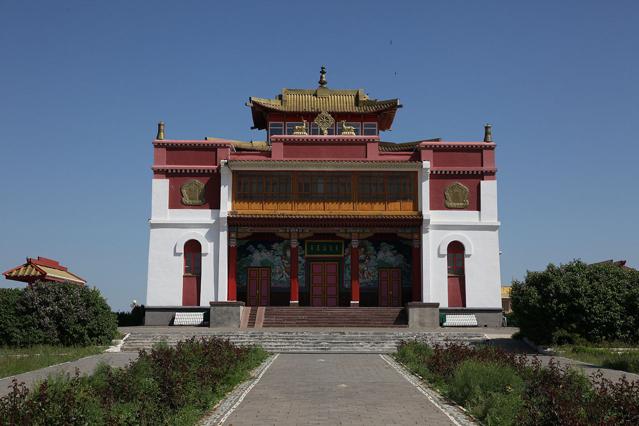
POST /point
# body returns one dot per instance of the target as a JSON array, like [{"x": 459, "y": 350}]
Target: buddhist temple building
[
  {"x": 42, "y": 269},
  {"x": 325, "y": 213}
]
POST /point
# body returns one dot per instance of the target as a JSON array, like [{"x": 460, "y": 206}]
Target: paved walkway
[
  {"x": 85, "y": 365},
  {"x": 320, "y": 389}
]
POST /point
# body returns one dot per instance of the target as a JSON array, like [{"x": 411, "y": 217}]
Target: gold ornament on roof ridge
[
  {"x": 301, "y": 129},
  {"x": 324, "y": 121},
  {"x": 347, "y": 130},
  {"x": 193, "y": 193},
  {"x": 456, "y": 196}
]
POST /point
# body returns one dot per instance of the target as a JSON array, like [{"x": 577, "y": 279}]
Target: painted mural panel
[
  {"x": 375, "y": 254},
  {"x": 272, "y": 254}
]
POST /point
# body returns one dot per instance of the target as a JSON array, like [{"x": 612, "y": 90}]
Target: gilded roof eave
[{"x": 322, "y": 99}]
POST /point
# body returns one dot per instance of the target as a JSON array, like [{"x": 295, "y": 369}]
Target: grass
[
  {"x": 19, "y": 360},
  {"x": 607, "y": 357}
]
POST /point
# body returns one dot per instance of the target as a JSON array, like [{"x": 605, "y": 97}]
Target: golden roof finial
[
  {"x": 160, "y": 135},
  {"x": 322, "y": 81},
  {"x": 488, "y": 133}
]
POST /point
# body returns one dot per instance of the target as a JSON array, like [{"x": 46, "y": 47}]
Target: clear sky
[{"x": 83, "y": 84}]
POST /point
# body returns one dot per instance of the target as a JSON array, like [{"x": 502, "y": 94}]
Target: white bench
[
  {"x": 460, "y": 320},
  {"x": 188, "y": 318}
]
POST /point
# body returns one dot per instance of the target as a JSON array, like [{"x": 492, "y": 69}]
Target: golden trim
[{"x": 341, "y": 242}]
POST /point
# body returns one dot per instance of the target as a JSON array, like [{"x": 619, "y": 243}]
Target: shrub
[
  {"x": 133, "y": 318},
  {"x": 9, "y": 324},
  {"x": 502, "y": 388},
  {"x": 58, "y": 314},
  {"x": 566, "y": 303},
  {"x": 163, "y": 386}
]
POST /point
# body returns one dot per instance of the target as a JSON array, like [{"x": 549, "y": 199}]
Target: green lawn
[
  {"x": 607, "y": 357},
  {"x": 19, "y": 360}
]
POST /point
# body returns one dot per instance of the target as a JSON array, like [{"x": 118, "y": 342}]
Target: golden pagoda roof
[
  {"x": 42, "y": 269},
  {"x": 354, "y": 101}
]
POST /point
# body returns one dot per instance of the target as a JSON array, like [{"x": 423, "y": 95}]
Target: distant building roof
[
  {"x": 619, "y": 263},
  {"x": 505, "y": 292},
  {"x": 42, "y": 269}
]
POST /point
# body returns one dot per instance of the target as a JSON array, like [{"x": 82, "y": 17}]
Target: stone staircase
[
  {"x": 284, "y": 316},
  {"x": 303, "y": 341}
]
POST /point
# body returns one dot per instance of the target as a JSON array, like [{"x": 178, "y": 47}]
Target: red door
[
  {"x": 390, "y": 287},
  {"x": 324, "y": 283},
  {"x": 258, "y": 286},
  {"x": 456, "y": 291}
]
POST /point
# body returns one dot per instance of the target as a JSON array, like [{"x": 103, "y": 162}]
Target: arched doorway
[
  {"x": 456, "y": 275},
  {"x": 192, "y": 273}
]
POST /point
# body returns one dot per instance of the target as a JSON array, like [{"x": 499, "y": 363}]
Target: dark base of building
[{"x": 414, "y": 315}]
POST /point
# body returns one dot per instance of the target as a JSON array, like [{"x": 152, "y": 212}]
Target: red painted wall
[
  {"x": 438, "y": 184},
  {"x": 191, "y": 157},
  {"x": 211, "y": 187},
  {"x": 324, "y": 150},
  {"x": 457, "y": 159}
]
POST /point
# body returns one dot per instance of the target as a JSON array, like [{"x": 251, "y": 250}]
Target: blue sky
[{"x": 83, "y": 84}]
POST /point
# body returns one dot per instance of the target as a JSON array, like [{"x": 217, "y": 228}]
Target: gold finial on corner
[
  {"x": 322, "y": 81},
  {"x": 160, "y": 135},
  {"x": 488, "y": 133}
]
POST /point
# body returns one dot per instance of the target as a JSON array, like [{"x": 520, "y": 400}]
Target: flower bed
[
  {"x": 503, "y": 389},
  {"x": 163, "y": 386}
]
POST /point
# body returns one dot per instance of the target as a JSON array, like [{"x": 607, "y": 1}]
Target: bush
[
  {"x": 56, "y": 314},
  {"x": 133, "y": 318},
  {"x": 163, "y": 386},
  {"x": 9, "y": 324},
  {"x": 502, "y": 388},
  {"x": 491, "y": 391},
  {"x": 575, "y": 302}
]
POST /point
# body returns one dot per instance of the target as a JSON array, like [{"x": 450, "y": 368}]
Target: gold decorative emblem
[
  {"x": 456, "y": 196},
  {"x": 300, "y": 130},
  {"x": 193, "y": 193},
  {"x": 324, "y": 121},
  {"x": 347, "y": 130}
]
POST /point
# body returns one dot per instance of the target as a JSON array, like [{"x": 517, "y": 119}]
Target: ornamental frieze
[
  {"x": 193, "y": 193},
  {"x": 456, "y": 196}
]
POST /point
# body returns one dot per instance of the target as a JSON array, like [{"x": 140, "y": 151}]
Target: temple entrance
[
  {"x": 390, "y": 287},
  {"x": 258, "y": 286},
  {"x": 324, "y": 283}
]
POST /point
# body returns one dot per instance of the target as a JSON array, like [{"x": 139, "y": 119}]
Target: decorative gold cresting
[
  {"x": 193, "y": 193},
  {"x": 301, "y": 129},
  {"x": 322, "y": 81},
  {"x": 160, "y": 135},
  {"x": 347, "y": 130},
  {"x": 488, "y": 133},
  {"x": 456, "y": 196},
  {"x": 324, "y": 121}
]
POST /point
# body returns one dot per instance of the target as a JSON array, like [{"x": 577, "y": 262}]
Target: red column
[
  {"x": 232, "y": 271},
  {"x": 416, "y": 271},
  {"x": 354, "y": 272},
  {"x": 295, "y": 288}
]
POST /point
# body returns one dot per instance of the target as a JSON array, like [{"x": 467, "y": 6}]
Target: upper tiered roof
[{"x": 345, "y": 101}]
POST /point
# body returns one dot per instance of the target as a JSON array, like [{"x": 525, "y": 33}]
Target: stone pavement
[
  {"x": 321, "y": 389},
  {"x": 85, "y": 365}
]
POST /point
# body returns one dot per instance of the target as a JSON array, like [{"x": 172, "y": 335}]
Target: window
[
  {"x": 324, "y": 187},
  {"x": 277, "y": 187},
  {"x": 455, "y": 258},
  {"x": 263, "y": 187},
  {"x": 275, "y": 128},
  {"x": 370, "y": 129},
  {"x": 371, "y": 187},
  {"x": 356, "y": 125},
  {"x": 400, "y": 187},
  {"x": 290, "y": 126},
  {"x": 192, "y": 258}
]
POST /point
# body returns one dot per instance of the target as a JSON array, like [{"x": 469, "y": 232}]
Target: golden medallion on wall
[
  {"x": 193, "y": 193},
  {"x": 456, "y": 196}
]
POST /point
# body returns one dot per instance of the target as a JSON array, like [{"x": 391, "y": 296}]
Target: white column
[
  {"x": 159, "y": 198},
  {"x": 225, "y": 205},
  {"x": 424, "y": 204},
  {"x": 488, "y": 193}
]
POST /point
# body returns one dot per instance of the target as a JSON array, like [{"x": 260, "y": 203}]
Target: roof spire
[
  {"x": 488, "y": 133},
  {"x": 160, "y": 135},
  {"x": 322, "y": 81}
]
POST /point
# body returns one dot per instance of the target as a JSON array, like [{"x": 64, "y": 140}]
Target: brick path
[{"x": 318, "y": 389}]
